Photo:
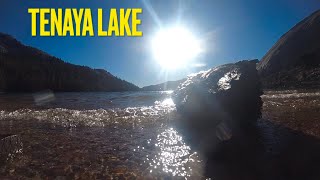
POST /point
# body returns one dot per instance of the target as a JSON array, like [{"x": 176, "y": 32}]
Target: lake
[{"x": 130, "y": 135}]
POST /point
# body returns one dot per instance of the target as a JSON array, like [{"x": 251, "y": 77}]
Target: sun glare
[{"x": 175, "y": 47}]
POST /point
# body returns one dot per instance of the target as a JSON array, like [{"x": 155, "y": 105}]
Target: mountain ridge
[
  {"x": 166, "y": 86},
  {"x": 25, "y": 68}
]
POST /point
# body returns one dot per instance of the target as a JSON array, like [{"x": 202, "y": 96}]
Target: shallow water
[
  {"x": 129, "y": 135},
  {"x": 297, "y": 110}
]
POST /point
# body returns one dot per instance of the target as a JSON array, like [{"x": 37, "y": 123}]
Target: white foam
[{"x": 293, "y": 94}]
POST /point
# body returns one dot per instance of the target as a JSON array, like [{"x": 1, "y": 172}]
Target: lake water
[{"x": 129, "y": 135}]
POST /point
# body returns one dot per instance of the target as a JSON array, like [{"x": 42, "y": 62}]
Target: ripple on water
[
  {"x": 98, "y": 117},
  {"x": 173, "y": 156},
  {"x": 147, "y": 143}
]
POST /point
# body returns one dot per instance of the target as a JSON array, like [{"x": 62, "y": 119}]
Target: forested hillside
[{"x": 24, "y": 68}]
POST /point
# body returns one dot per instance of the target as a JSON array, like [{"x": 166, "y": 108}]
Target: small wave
[
  {"x": 98, "y": 117},
  {"x": 291, "y": 95}
]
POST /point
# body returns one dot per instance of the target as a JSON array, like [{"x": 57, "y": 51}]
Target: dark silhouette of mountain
[
  {"x": 169, "y": 85},
  {"x": 27, "y": 69},
  {"x": 294, "y": 61}
]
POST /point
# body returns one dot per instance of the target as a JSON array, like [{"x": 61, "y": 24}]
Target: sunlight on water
[
  {"x": 125, "y": 142},
  {"x": 166, "y": 103},
  {"x": 134, "y": 139},
  {"x": 174, "y": 156},
  {"x": 168, "y": 92},
  {"x": 289, "y": 94},
  {"x": 97, "y": 117}
]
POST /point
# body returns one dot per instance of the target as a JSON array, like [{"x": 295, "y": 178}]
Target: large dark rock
[{"x": 216, "y": 105}]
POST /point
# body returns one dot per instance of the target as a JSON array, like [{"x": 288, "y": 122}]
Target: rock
[
  {"x": 294, "y": 60},
  {"x": 10, "y": 145},
  {"x": 217, "y": 104}
]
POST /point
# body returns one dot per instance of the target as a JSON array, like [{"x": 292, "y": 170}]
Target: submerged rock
[
  {"x": 217, "y": 104},
  {"x": 10, "y": 145}
]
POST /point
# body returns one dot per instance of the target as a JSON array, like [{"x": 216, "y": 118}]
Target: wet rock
[{"x": 217, "y": 104}]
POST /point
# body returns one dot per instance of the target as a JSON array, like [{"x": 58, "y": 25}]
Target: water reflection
[
  {"x": 174, "y": 156},
  {"x": 165, "y": 103}
]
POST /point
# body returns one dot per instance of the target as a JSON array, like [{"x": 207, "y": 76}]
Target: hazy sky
[{"x": 233, "y": 30}]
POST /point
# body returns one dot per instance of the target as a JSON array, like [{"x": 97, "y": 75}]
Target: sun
[{"x": 175, "y": 47}]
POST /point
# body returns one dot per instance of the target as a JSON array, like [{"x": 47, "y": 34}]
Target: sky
[{"x": 233, "y": 30}]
